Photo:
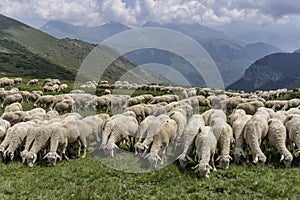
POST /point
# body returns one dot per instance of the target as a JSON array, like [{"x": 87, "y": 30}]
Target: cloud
[{"x": 137, "y": 12}]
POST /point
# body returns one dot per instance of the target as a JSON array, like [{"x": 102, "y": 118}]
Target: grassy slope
[{"x": 89, "y": 179}]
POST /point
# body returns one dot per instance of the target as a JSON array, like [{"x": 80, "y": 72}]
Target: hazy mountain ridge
[
  {"x": 231, "y": 56},
  {"x": 279, "y": 70},
  {"x": 25, "y": 51}
]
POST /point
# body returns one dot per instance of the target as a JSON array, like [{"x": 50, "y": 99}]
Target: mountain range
[
  {"x": 279, "y": 70},
  {"x": 28, "y": 52},
  {"x": 231, "y": 56}
]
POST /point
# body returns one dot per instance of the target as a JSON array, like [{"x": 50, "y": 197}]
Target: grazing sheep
[
  {"x": 148, "y": 129},
  {"x": 66, "y": 105},
  {"x": 255, "y": 131},
  {"x": 13, "y": 107},
  {"x": 292, "y": 124},
  {"x": 33, "y": 82},
  {"x": 96, "y": 122},
  {"x": 123, "y": 129},
  {"x": 277, "y": 140},
  {"x": 12, "y": 99},
  {"x": 237, "y": 128},
  {"x": 236, "y": 114},
  {"x": 250, "y": 107},
  {"x": 205, "y": 144},
  {"x": 181, "y": 122},
  {"x": 20, "y": 131},
  {"x": 165, "y": 135},
  {"x": 189, "y": 135},
  {"x": 4, "y": 125},
  {"x": 140, "y": 110},
  {"x": 44, "y": 101}
]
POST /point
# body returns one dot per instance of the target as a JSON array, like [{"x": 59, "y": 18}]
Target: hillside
[
  {"x": 280, "y": 70},
  {"x": 25, "y": 51},
  {"x": 230, "y": 55}
]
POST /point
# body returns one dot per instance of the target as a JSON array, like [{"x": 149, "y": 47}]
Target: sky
[{"x": 282, "y": 16}]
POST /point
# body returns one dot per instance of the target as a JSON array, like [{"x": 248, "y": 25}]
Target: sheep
[
  {"x": 255, "y": 131},
  {"x": 168, "y": 98},
  {"x": 25, "y": 95},
  {"x": 33, "y": 82},
  {"x": 40, "y": 142},
  {"x": 165, "y": 135},
  {"x": 20, "y": 131},
  {"x": 15, "y": 117},
  {"x": 98, "y": 103},
  {"x": 107, "y": 91},
  {"x": 44, "y": 101},
  {"x": 250, "y": 107},
  {"x": 18, "y": 80},
  {"x": 4, "y": 125},
  {"x": 121, "y": 130},
  {"x": 292, "y": 124},
  {"x": 148, "y": 129},
  {"x": 189, "y": 135},
  {"x": 236, "y": 114},
  {"x": 205, "y": 144},
  {"x": 96, "y": 122},
  {"x": 181, "y": 122},
  {"x": 13, "y": 107},
  {"x": 58, "y": 139},
  {"x": 293, "y": 103},
  {"x": 66, "y": 105},
  {"x": 12, "y": 99},
  {"x": 63, "y": 86},
  {"x": 140, "y": 110},
  {"x": 237, "y": 128},
  {"x": 276, "y": 104},
  {"x": 277, "y": 139}
]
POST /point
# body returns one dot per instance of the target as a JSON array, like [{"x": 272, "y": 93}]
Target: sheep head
[
  {"x": 203, "y": 169},
  {"x": 52, "y": 157},
  {"x": 238, "y": 153},
  {"x": 260, "y": 159},
  {"x": 224, "y": 160},
  {"x": 287, "y": 160},
  {"x": 31, "y": 158}
]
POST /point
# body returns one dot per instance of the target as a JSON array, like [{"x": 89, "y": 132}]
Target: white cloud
[{"x": 137, "y": 12}]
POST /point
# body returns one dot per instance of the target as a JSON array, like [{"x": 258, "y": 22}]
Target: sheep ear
[
  {"x": 34, "y": 158},
  {"x": 255, "y": 160},
  {"x": 158, "y": 157},
  {"x": 115, "y": 146},
  {"x": 46, "y": 156},
  {"x": 146, "y": 146},
  {"x": 218, "y": 158},
  {"x": 229, "y": 157},
  {"x": 282, "y": 158},
  {"x": 58, "y": 156}
]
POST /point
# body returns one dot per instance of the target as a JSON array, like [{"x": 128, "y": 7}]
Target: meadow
[{"x": 89, "y": 178}]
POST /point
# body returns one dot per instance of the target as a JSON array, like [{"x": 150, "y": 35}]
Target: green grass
[{"x": 88, "y": 178}]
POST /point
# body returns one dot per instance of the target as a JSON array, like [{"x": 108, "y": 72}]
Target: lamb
[
  {"x": 189, "y": 134},
  {"x": 122, "y": 130},
  {"x": 13, "y": 107},
  {"x": 277, "y": 139},
  {"x": 255, "y": 131},
  {"x": 12, "y": 99},
  {"x": 205, "y": 144},
  {"x": 165, "y": 135}
]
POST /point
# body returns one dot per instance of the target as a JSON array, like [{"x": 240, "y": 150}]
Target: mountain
[
  {"x": 297, "y": 51},
  {"x": 28, "y": 52},
  {"x": 279, "y": 70},
  {"x": 92, "y": 35},
  {"x": 231, "y": 56}
]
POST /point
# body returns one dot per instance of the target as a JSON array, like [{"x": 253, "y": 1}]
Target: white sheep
[
  {"x": 206, "y": 144},
  {"x": 165, "y": 135},
  {"x": 277, "y": 140},
  {"x": 4, "y": 125},
  {"x": 189, "y": 135},
  {"x": 292, "y": 124},
  {"x": 13, "y": 107},
  {"x": 12, "y": 99},
  {"x": 255, "y": 131},
  {"x": 250, "y": 107},
  {"x": 181, "y": 121}
]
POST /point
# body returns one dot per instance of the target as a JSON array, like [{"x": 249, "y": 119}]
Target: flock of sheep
[{"x": 244, "y": 127}]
